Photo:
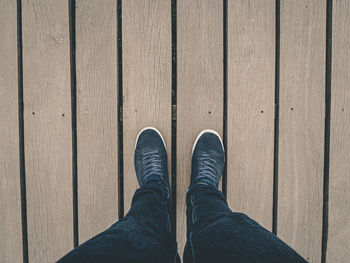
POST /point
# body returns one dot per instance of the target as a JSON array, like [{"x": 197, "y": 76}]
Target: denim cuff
[
  {"x": 155, "y": 187},
  {"x": 199, "y": 189}
]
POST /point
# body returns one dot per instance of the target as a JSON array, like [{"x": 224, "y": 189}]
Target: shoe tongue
[
  {"x": 152, "y": 178},
  {"x": 155, "y": 179},
  {"x": 204, "y": 181},
  {"x": 207, "y": 181}
]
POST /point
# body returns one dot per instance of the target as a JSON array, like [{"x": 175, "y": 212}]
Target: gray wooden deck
[{"x": 80, "y": 78}]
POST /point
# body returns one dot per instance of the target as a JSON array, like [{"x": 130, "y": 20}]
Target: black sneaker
[
  {"x": 208, "y": 159},
  {"x": 150, "y": 157}
]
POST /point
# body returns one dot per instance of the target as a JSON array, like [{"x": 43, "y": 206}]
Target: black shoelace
[
  {"x": 207, "y": 169},
  {"x": 152, "y": 165}
]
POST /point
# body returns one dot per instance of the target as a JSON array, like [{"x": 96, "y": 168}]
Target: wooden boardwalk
[{"x": 80, "y": 78}]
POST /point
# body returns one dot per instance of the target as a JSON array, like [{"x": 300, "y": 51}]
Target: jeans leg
[
  {"x": 216, "y": 234},
  {"x": 143, "y": 235}
]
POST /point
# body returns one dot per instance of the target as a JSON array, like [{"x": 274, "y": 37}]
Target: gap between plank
[
  {"x": 173, "y": 113},
  {"x": 72, "y": 42},
  {"x": 224, "y": 130},
  {"x": 21, "y": 134},
  {"x": 276, "y": 125},
  {"x": 327, "y": 129},
  {"x": 120, "y": 112}
]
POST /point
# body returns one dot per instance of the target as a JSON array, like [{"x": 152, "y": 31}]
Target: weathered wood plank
[
  {"x": 250, "y": 108},
  {"x": 47, "y": 131},
  {"x": 339, "y": 167},
  {"x": 301, "y": 137},
  {"x": 199, "y": 87},
  {"x": 10, "y": 196},
  {"x": 146, "y": 78},
  {"x": 97, "y": 115}
]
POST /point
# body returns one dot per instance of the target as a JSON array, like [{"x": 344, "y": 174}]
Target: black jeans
[{"x": 214, "y": 233}]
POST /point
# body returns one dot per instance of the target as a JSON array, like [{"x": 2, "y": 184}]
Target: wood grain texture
[
  {"x": 97, "y": 115},
  {"x": 250, "y": 108},
  {"x": 146, "y": 78},
  {"x": 10, "y": 196},
  {"x": 47, "y": 128},
  {"x": 301, "y": 124},
  {"x": 199, "y": 87},
  {"x": 338, "y": 249}
]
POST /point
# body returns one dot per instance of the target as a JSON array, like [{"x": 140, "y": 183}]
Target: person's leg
[
  {"x": 214, "y": 232},
  {"x": 144, "y": 234}
]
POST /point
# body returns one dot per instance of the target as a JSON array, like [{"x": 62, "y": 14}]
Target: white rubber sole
[
  {"x": 204, "y": 131},
  {"x": 150, "y": 128}
]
